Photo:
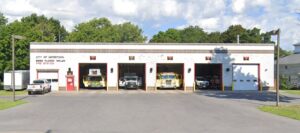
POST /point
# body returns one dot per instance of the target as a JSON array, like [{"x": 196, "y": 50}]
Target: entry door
[{"x": 245, "y": 77}]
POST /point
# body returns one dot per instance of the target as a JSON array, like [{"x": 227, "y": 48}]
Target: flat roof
[{"x": 120, "y": 43}]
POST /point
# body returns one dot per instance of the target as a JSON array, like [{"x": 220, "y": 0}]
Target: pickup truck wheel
[{"x": 43, "y": 91}]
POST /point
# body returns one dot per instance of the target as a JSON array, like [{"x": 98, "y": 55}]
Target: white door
[
  {"x": 50, "y": 75},
  {"x": 245, "y": 77}
]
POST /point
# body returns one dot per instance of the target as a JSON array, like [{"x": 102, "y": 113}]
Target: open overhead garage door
[
  {"x": 170, "y": 76},
  {"x": 51, "y": 75},
  {"x": 92, "y": 76},
  {"x": 245, "y": 76},
  {"x": 47, "y": 75},
  {"x": 132, "y": 76},
  {"x": 208, "y": 76}
]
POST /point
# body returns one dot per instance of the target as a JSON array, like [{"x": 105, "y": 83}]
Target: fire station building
[{"x": 225, "y": 66}]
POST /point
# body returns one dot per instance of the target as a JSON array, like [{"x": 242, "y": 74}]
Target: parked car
[
  {"x": 21, "y": 80},
  {"x": 121, "y": 82},
  {"x": 130, "y": 80},
  {"x": 41, "y": 85},
  {"x": 201, "y": 82},
  {"x": 169, "y": 80}
]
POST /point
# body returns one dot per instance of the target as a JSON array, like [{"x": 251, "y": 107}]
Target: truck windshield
[
  {"x": 131, "y": 78},
  {"x": 200, "y": 78},
  {"x": 168, "y": 76},
  {"x": 94, "y": 78},
  {"x": 38, "y": 81}
]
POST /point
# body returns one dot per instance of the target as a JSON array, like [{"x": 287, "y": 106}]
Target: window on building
[
  {"x": 170, "y": 58},
  {"x": 92, "y": 57},
  {"x": 131, "y": 57},
  {"x": 246, "y": 58},
  {"x": 208, "y": 58}
]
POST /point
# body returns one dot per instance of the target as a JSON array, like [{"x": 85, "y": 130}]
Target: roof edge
[{"x": 117, "y": 43}]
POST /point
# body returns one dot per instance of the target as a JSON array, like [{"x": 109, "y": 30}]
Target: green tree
[
  {"x": 266, "y": 37},
  {"x": 215, "y": 37},
  {"x": 170, "y": 36},
  {"x": 35, "y": 29},
  {"x": 128, "y": 32},
  {"x": 230, "y": 35},
  {"x": 44, "y": 29},
  {"x": 101, "y": 30},
  {"x": 193, "y": 34},
  {"x": 282, "y": 53},
  {"x": 3, "y": 20}
]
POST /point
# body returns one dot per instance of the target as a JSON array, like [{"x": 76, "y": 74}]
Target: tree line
[
  {"x": 38, "y": 28},
  {"x": 195, "y": 34}
]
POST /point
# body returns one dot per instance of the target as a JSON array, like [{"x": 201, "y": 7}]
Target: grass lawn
[
  {"x": 10, "y": 93},
  {"x": 5, "y": 104},
  {"x": 294, "y": 92},
  {"x": 291, "y": 111}
]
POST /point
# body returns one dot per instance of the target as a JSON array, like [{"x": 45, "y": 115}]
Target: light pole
[
  {"x": 277, "y": 32},
  {"x": 13, "y": 37}
]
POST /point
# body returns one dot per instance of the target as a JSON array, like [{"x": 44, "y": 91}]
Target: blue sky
[{"x": 159, "y": 15}]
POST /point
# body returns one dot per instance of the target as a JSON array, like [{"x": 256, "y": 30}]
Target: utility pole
[
  {"x": 13, "y": 37},
  {"x": 59, "y": 39},
  {"x": 277, "y": 32},
  {"x": 13, "y": 67},
  {"x": 277, "y": 68}
]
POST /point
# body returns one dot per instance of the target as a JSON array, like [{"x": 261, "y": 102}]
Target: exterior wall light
[
  {"x": 111, "y": 70},
  {"x": 189, "y": 70},
  {"x": 227, "y": 69},
  {"x": 151, "y": 69}
]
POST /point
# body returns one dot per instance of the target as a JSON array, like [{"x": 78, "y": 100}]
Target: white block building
[{"x": 236, "y": 66}]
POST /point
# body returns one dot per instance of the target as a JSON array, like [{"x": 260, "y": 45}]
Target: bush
[{"x": 284, "y": 84}]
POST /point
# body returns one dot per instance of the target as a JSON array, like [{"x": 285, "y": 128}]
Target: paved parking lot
[{"x": 206, "y": 112}]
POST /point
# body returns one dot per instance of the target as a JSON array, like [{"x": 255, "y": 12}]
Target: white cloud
[
  {"x": 238, "y": 6},
  {"x": 18, "y": 7},
  {"x": 154, "y": 15},
  {"x": 170, "y": 8},
  {"x": 125, "y": 7},
  {"x": 261, "y": 2}
]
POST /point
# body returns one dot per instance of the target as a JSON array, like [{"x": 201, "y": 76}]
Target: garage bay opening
[
  {"x": 132, "y": 76},
  {"x": 208, "y": 76},
  {"x": 169, "y": 76},
  {"x": 93, "y": 76}
]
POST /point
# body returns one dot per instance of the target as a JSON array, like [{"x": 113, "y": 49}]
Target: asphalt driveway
[{"x": 205, "y": 112}]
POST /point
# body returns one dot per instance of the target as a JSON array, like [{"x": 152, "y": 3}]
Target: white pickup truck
[
  {"x": 40, "y": 85},
  {"x": 130, "y": 80}
]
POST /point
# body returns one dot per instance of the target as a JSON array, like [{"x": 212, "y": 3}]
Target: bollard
[{"x": 194, "y": 86}]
